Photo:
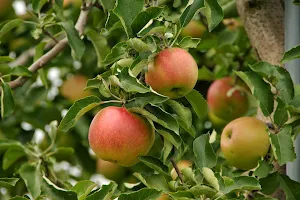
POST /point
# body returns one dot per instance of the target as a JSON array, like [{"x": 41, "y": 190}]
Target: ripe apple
[
  {"x": 195, "y": 29},
  {"x": 181, "y": 165},
  {"x": 72, "y": 88},
  {"x": 226, "y": 101},
  {"x": 216, "y": 121},
  {"x": 244, "y": 141},
  {"x": 172, "y": 73},
  {"x": 110, "y": 170},
  {"x": 119, "y": 136}
]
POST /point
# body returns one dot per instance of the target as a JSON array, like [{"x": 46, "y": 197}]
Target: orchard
[{"x": 147, "y": 99}]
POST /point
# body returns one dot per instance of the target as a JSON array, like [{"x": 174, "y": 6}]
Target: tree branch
[{"x": 59, "y": 47}]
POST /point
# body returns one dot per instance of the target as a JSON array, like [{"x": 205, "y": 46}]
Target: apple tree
[{"x": 145, "y": 99}]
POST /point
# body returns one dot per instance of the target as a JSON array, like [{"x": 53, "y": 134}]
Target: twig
[
  {"x": 59, "y": 47},
  {"x": 177, "y": 170},
  {"x": 49, "y": 35}
]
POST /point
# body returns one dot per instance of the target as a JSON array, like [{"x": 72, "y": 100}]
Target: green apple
[
  {"x": 110, "y": 170},
  {"x": 195, "y": 29}
]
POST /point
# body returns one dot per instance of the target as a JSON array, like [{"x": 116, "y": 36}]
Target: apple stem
[{"x": 177, "y": 170}]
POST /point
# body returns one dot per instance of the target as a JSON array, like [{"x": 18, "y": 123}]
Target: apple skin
[
  {"x": 244, "y": 141},
  {"x": 195, "y": 29},
  {"x": 110, "y": 170},
  {"x": 181, "y": 165},
  {"x": 72, "y": 88},
  {"x": 172, "y": 73},
  {"x": 224, "y": 106},
  {"x": 76, "y": 3},
  {"x": 119, "y": 136},
  {"x": 164, "y": 197},
  {"x": 216, "y": 121}
]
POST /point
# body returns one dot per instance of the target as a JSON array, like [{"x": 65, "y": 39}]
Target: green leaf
[
  {"x": 144, "y": 17},
  {"x": 5, "y": 59},
  {"x": 279, "y": 77},
  {"x": 73, "y": 38},
  {"x": 18, "y": 198},
  {"x": 126, "y": 18},
  {"x": 39, "y": 51},
  {"x": 116, "y": 53},
  {"x": 11, "y": 156},
  {"x": 291, "y": 54},
  {"x": 7, "y": 101},
  {"x": 183, "y": 112},
  {"x": 205, "y": 155},
  {"x": 140, "y": 100},
  {"x": 100, "y": 44},
  {"x": 167, "y": 149},
  {"x": 142, "y": 194},
  {"x": 199, "y": 190},
  {"x": 281, "y": 113},
  {"x": 170, "y": 136},
  {"x": 9, "y": 26},
  {"x": 260, "y": 89},
  {"x": 83, "y": 188},
  {"x": 182, "y": 195},
  {"x": 189, "y": 12},
  {"x": 198, "y": 103},
  {"x": 153, "y": 181},
  {"x": 210, "y": 178},
  {"x": 55, "y": 192},
  {"x": 263, "y": 169},
  {"x": 243, "y": 183},
  {"x": 38, "y": 4},
  {"x": 205, "y": 74},
  {"x": 63, "y": 152},
  {"x": 290, "y": 187},
  {"x": 104, "y": 193},
  {"x": 189, "y": 42},
  {"x": 8, "y": 182},
  {"x": 155, "y": 164},
  {"x": 108, "y": 4},
  {"x": 78, "y": 109},
  {"x": 139, "y": 45},
  {"x": 32, "y": 177},
  {"x": 21, "y": 71},
  {"x": 213, "y": 13},
  {"x": 155, "y": 27},
  {"x": 283, "y": 146},
  {"x": 6, "y": 144},
  {"x": 270, "y": 183}
]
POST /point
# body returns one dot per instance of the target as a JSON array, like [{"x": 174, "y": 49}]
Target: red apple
[
  {"x": 244, "y": 141},
  {"x": 172, "y": 73},
  {"x": 119, "y": 136}
]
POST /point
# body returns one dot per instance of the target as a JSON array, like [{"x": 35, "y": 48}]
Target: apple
[
  {"x": 110, "y": 170},
  {"x": 120, "y": 136},
  {"x": 72, "y": 88},
  {"x": 181, "y": 165},
  {"x": 216, "y": 121},
  {"x": 225, "y": 100},
  {"x": 164, "y": 197},
  {"x": 5, "y": 7},
  {"x": 76, "y": 3},
  {"x": 172, "y": 73},
  {"x": 195, "y": 29},
  {"x": 244, "y": 141}
]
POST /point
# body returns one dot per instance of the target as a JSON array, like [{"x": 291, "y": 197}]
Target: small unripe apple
[
  {"x": 110, "y": 170},
  {"x": 244, "y": 141},
  {"x": 195, "y": 29},
  {"x": 172, "y": 73},
  {"x": 181, "y": 165},
  {"x": 225, "y": 100},
  {"x": 72, "y": 88},
  {"x": 120, "y": 136}
]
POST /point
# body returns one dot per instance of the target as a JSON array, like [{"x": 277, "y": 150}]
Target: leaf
[
  {"x": 263, "y": 169},
  {"x": 18, "y": 198},
  {"x": 83, "y": 188},
  {"x": 39, "y": 51},
  {"x": 199, "y": 190},
  {"x": 291, "y": 54},
  {"x": 126, "y": 18},
  {"x": 108, "y": 4},
  {"x": 9, "y": 26},
  {"x": 182, "y": 195},
  {"x": 170, "y": 136},
  {"x": 210, "y": 178},
  {"x": 73, "y": 38},
  {"x": 281, "y": 113},
  {"x": 198, "y": 103},
  {"x": 243, "y": 183},
  {"x": 283, "y": 146},
  {"x": 116, "y": 53},
  {"x": 144, "y": 17},
  {"x": 105, "y": 192},
  {"x": 153, "y": 181},
  {"x": 155, "y": 164},
  {"x": 139, "y": 45},
  {"x": 205, "y": 74},
  {"x": 11, "y": 156},
  {"x": 32, "y": 178},
  {"x": 205, "y": 155},
  {"x": 167, "y": 149},
  {"x": 63, "y": 152},
  {"x": 100, "y": 44},
  {"x": 279, "y": 77},
  {"x": 213, "y": 13},
  {"x": 5, "y": 59},
  {"x": 21, "y": 71},
  {"x": 142, "y": 194},
  {"x": 270, "y": 183},
  {"x": 189, "y": 42},
  {"x": 38, "y": 4},
  {"x": 78, "y": 109},
  {"x": 189, "y": 12},
  {"x": 7, "y": 101},
  {"x": 6, "y": 144},
  {"x": 260, "y": 89},
  {"x": 55, "y": 192},
  {"x": 140, "y": 100},
  {"x": 183, "y": 112},
  {"x": 8, "y": 182},
  {"x": 290, "y": 187}
]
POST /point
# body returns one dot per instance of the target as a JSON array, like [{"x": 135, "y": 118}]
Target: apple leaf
[
  {"x": 21, "y": 71},
  {"x": 281, "y": 114},
  {"x": 169, "y": 135},
  {"x": 205, "y": 74},
  {"x": 213, "y": 13},
  {"x": 167, "y": 149},
  {"x": 291, "y": 54},
  {"x": 8, "y": 182},
  {"x": 294, "y": 105},
  {"x": 37, "y": 5},
  {"x": 182, "y": 195},
  {"x": 139, "y": 45},
  {"x": 205, "y": 155},
  {"x": 189, "y": 42},
  {"x": 198, "y": 103},
  {"x": 283, "y": 145},
  {"x": 242, "y": 183},
  {"x": 260, "y": 89},
  {"x": 270, "y": 183},
  {"x": 155, "y": 164},
  {"x": 199, "y": 190},
  {"x": 189, "y": 12},
  {"x": 9, "y": 26},
  {"x": 211, "y": 178},
  {"x": 105, "y": 192},
  {"x": 142, "y": 194},
  {"x": 108, "y": 4},
  {"x": 12, "y": 155},
  {"x": 153, "y": 181},
  {"x": 32, "y": 178},
  {"x": 5, "y": 59},
  {"x": 116, "y": 53},
  {"x": 183, "y": 112},
  {"x": 7, "y": 100},
  {"x": 83, "y": 188},
  {"x": 290, "y": 187},
  {"x": 263, "y": 169},
  {"x": 140, "y": 100}
]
